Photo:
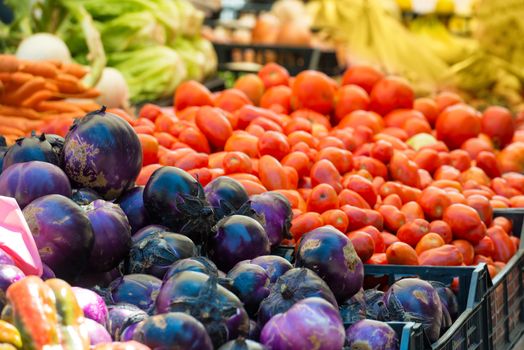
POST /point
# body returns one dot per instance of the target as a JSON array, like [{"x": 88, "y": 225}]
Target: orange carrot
[
  {"x": 74, "y": 69},
  {"x": 20, "y": 78},
  {"x": 36, "y": 98},
  {"x": 19, "y": 111},
  {"x": 8, "y": 63},
  {"x": 49, "y": 85},
  {"x": 8, "y": 130},
  {"x": 90, "y": 93},
  {"x": 58, "y": 106},
  {"x": 39, "y": 68},
  {"x": 26, "y": 90},
  {"x": 88, "y": 107},
  {"x": 20, "y": 123}
]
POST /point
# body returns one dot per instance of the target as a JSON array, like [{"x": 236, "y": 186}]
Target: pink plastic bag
[{"x": 16, "y": 239}]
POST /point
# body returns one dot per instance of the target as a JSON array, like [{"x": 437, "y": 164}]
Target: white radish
[{"x": 42, "y": 47}]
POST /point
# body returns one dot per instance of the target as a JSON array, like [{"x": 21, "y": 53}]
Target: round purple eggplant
[
  {"x": 329, "y": 253},
  {"x": 92, "y": 304},
  {"x": 97, "y": 333},
  {"x": 225, "y": 195},
  {"x": 295, "y": 285},
  {"x": 311, "y": 323},
  {"x": 148, "y": 231},
  {"x": 175, "y": 199},
  {"x": 415, "y": 300},
  {"x": 112, "y": 235},
  {"x": 9, "y": 274},
  {"x": 155, "y": 253},
  {"x": 97, "y": 279},
  {"x": 274, "y": 265},
  {"x": 250, "y": 284},
  {"x": 28, "y": 149},
  {"x": 62, "y": 232},
  {"x": 5, "y": 258},
  {"x": 237, "y": 238},
  {"x": 276, "y": 212},
  {"x": 121, "y": 316},
  {"x": 372, "y": 335},
  {"x": 200, "y": 295},
  {"x": 102, "y": 152},
  {"x": 196, "y": 264},
  {"x": 129, "y": 332},
  {"x": 353, "y": 309},
  {"x": 448, "y": 299},
  {"x": 132, "y": 203},
  {"x": 84, "y": 196},
  {"x": 31, "y": 180},
  {"x": 137, "y": 289},
  {"x": 174, "y": 330},
  {"x": 242, "y": 344},
  {"x": 57, "y": 144},
  {"x": 254, "y": 330}
]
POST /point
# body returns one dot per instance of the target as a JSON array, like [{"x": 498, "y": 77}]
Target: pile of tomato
[{"x": 409, "y": 180}]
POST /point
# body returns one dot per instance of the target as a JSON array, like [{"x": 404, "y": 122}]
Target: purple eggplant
[
  {"x": 132, "y": 203},
  {"x": 129, "y": 332},
  {"x": 5, "y": 258},
  {"x": 237, "y": 238},
  {"x": 96, "y": 332},
  {"x": 137, "y": 289},
  {"x": 225, "y": 195},
  {"x": 155, "y": 253},
  {"x": 62, "y": 232},
  {"x": 30, "y": 148},
  {"x": 353, "y": 309},
  {"x": 121, "y": 316},
  {"x": 375, "y": 307},
  {"x": 196, "y": 264},
  {"x": 295, "y": 285},
  {"x": 102, "y": 152},
  {"x": 312, "y": 323},
  {"x": 148, "y": 231},
  {"x": 47, "y": 273},
  {"x": 447, "y": 298},
  {"x": 175, "y": 199},
  {"x": 97, "y": 279},
  {"x": 112, "y": 235},
  {"x": 92, "y": 304},
  {"x": 250, "y": 284},
  {"x": 275, "y": 266},
  {"x": 242, "y": 344},
  {"x": 372, "y": 335},
  {"x": 200, "y": 295},
  {"x": 31, "y": 180},
  {"x": 57, "y": 144},
  {"x": 9, "y": 274},
  {"x": 415, "y": 300},
  {"x": 254, "y": 330},
  {"x": 84, "y": 196},
  {"x": 276, "y": 212},
  {"x": 329, "y": 253},
  {"x": 174, "y": 330}
]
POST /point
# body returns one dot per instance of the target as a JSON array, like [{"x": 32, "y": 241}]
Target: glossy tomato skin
[
  {"x": 412, "y": 232},
  {"x": 511, "y": 158},
  {"x": 483, "y": 207},
  {"x": 313, "y": 90},
  {"x": 215, "y": 126},
  {"x": 364, "y": 76},
  {"x": 350, "y": 98},
  {"x": 498, "y": 124},
  {"x": 323, "y": 197},
  {"x": 457, "y": 124},
  {"x": 442, "y": 229},
  {"x": 324, "y": 171},
  {"x": 391, "y": 93},
  {"x": 305, "y": 223},
  {"x": 446, "y": 255},
  {"x": 393, "y": 217},
  {"x": 192, "y": 93},
  {"x": 363, "y": 243},
  {"x": 400, "y": 253},
  {"x": 465, "y": 223},
  {"x": 273, "y": 74},
  {"x": 429, "y": 241},
  {"x": 504, "y": 247},
  {"x": 434, "y": 202}
]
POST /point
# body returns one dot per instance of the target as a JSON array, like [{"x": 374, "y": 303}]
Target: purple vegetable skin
[
  {"x": 312, "y": 323},
  {"x": 237, "y": 238},
  {"x": 121, "y": 316},
  {"x": 415, "y": 300},
  {"x": 197, "y": 264},
  {"x": 242, "y": 344},
  {"x": 92, "y": 304},
  {"x": 329, "y": 253},
  {"x": 148, "y": 231},
  {"x": 250, "y": 284},
  {"x": 199, "y": 295},
  {"x": 372, "y": 335},
  {"x": 132, "y": 203},
  {"x": 129, "y": 332},
  {"x": 84, "y": 196},
  {"x": 9, "y": 274},
  {"x": 62, "y": 232},
  {"x": 274, "y": 265},
  {"x": 47, "y": 273},
  {"x": 137, "y": 289},
  {"x": 225, "y": 195},
  {"x": 31, "y": 180},
  {"x": 97, "y": 333},
  {"x": 97, "y": 279},
  {"x": 112, "y": 235},
  {"x": 29, "y": 149},
  {"x": 276, "y": 212},
  {"x": 102, "y": 152},
  {"x": 174, "y": 330}
]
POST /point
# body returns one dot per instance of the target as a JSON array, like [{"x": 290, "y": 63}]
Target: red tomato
[
  {"x": 404, "y": 170},
  {"x": 322, "y": 198},
  {"x": 412, "y": 232},
  {"x": 350, "y": 98},
  {"x": 445, "y": 99},
  {"x": 434, "y": 201},
  {"x": 252, "y": 187},
  {"x": 149, "y": 149},
  {"x": 442, "y": 229},
  {"x": 382, "y": 150},
  {"x": 363, "y": 187},
  {"x": 388, "y": 238},
  {"x": 273, "y": 74},
  {"x": 274, "y": 144},
  {"x": 242, "y": 142},
  {"x": 428, "y": 107},
  {"x": 498, "y": 124},
  {"x": 456, "y": 124},
  {"x": 231, "y": 100},
  {"x": 336, "y": 218},
  {"x": 465, "y": 223},
  {"x": 299, "y": 161},
  {"x": 393, "y": 218},
  {"x": 277, "y": 99},
  {"x": 146, "y": 173},
  {"x": 487, "y": 161},
  {"x": 305, "y": 223},
  {"x": 446, "y": 255},
  {"x": 412, "y": 210},
  {"x": 214, "y": 125},
  {"x": 252, "y": 85},
  {"x": 391, "y": 93},
  {"x": 195, "y": 139},
  {"x": 202, "y": 175},
  {"x": 466, "y": 249},
  {"x": 324, "y": 171},
  {"x": 485, "y": 247},
  {"x": 362, "y": 118},
  {"x": 363, "y": 244},
  {"x": 364, "y": 76},
  {"x": 313, "y": 90},
  {"x": 350, "y": 197},
  {"x": 192, "y": 93},
  {"x": 483, "y": 207},
  {"x": 236, "y": 162},
  {"x": 400, "y": 253},
  {"x": 272, "y": 174},
  {"x": 429, "y": 241},
  {"x": 504, "y": 247}
]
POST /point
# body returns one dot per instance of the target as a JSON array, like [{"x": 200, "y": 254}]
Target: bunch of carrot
[{"x": 34, "y": 93}]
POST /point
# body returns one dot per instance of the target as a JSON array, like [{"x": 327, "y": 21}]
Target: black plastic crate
[
  {"x": 241, "y": 59},
  {"x": 505, "y": 300}
]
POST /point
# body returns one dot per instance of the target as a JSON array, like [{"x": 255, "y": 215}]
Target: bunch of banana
[
  {"x": 437, "y": 38},
  {"x": 499, "y": 28},
  {"x": 370, "y": 33}
]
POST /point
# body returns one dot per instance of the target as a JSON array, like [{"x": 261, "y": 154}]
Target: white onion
[
  {"x": 114, "y": 92},
  {"x": 43, "y": 46}
]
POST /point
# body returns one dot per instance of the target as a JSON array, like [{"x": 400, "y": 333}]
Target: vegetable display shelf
[
  {"x": 238, "y": 58},
  {"x": 505, "y": 300}
]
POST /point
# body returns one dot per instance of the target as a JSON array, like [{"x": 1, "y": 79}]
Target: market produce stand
[{"x": 282, "y": 175}]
